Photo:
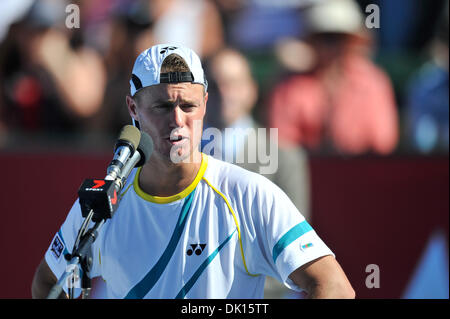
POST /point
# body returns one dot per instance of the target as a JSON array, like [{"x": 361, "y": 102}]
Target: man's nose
[{"x": 177, "y": 117}]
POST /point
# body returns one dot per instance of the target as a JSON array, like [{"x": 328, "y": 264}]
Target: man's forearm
[{"x": 43, "y": 282}]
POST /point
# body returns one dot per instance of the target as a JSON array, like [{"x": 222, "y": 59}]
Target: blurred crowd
[{"x": 334, "y": 76}]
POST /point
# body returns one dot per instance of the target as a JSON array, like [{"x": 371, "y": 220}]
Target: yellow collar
[{"x": 180, "y": 195}]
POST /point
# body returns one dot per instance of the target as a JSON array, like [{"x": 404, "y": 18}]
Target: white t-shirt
[{"x": 216, "y": 239}]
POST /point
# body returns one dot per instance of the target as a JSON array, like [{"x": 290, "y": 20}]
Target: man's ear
[
  {"x": 132, "y": 107},
  {"x": 206, "y": 99}
]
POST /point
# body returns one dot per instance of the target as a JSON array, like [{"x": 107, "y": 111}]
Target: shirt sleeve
[
  {"x": 283, "y": 240},
  {"x": 63, "y": 242}
]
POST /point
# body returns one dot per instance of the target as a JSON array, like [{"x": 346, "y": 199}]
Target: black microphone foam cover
[
  {"x": 129, "y": 135},
  {"x": 145, "y": 148}
]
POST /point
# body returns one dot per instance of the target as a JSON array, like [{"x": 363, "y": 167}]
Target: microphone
[
  {"x": 125, "y": 147},
  {"x": 139, "y": 158},
  {"x": 99, "y": 200},
  {"x": 133, "y": 149},
  {"x": 145, "y": 149}
]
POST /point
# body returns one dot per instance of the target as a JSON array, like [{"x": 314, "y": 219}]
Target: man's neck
[{"x": 164, "y": 178}]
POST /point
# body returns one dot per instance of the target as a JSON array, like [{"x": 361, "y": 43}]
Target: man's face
[{"x": 172, "y": 114}]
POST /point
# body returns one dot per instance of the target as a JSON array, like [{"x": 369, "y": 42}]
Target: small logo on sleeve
[
  {"x": 57, "y": 247},
  {"x": 306, "y": 246}
]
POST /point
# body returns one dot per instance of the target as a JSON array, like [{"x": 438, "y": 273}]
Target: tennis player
[{"x": 189, "y": 225}]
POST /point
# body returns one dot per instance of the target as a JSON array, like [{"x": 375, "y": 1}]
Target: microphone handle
[
  {"x": 126, "y": 170},
  {"x": 121, "y": 155}
]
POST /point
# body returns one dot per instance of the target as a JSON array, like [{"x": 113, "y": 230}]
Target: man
[{"x": 188, "y": 225}]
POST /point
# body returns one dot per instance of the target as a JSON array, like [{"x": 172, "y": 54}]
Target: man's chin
[{"x": 184, "y": 155}]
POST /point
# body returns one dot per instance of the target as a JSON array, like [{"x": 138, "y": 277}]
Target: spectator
[
  {"x": 258, "y": 24},
  {"x": 194, "y": 23},
  {"x": 50, "y": 82},
  {"x": 238, "y": 97},
  {"x": 343, "y": 100},
  {"x": 126, "y": 25},
  {"x": 427, "y": 101}
]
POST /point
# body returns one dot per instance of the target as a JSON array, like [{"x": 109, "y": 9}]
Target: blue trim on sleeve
[
  {"x": 201, "y": 268},
  {"x": 147, "y": 283},
  {"x": 294, "y": 233}
]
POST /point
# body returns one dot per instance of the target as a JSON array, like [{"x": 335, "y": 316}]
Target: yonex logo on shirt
[{"x": 198, "y": 251}]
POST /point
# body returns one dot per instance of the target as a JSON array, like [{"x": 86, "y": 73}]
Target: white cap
[
  {"x": 147, "y": 68},
  {"x": 343, "y": 16}
]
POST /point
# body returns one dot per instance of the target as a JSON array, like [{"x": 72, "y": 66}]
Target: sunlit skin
[{"x": 172, "y": 114}]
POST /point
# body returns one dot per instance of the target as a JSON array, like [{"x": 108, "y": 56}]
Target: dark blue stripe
[
  {"x": 294, "y": 233},
  {"x": 147, "y": 283},
  {"x": 200, "y": 269}
]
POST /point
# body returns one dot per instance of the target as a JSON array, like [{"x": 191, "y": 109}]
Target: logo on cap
[{"x": 165, "y": 49}]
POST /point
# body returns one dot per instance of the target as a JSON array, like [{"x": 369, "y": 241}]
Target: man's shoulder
[{"x": 229, "y": 177}]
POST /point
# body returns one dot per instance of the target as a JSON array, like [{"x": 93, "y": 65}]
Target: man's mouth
[{"x": 176, "y": 139}]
